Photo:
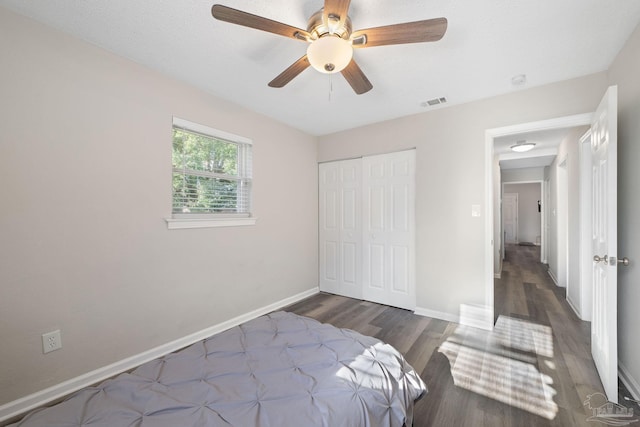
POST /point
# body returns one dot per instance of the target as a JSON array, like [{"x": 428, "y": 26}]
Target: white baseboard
[
  {"x": 629, "y": 382},
  {"x": 497, "y": 275},
  {"x": 573, "y": 307},
  {"x": 474, "y": 316},
  {"x": 40, "y": 398},
  {"x": 437, "y": 314},
  {"x": 553, "y": 277}
]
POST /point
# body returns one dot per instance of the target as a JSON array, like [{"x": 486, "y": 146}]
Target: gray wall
[
  {"x": 523, "y": 174},
  {"x": 625, "y": 72},
  {"x": 498, "y": 247},
  {"x": 572, "y": 142},
  {"x": 85, "y": 155},
  {"x": 566, "y": 269}
]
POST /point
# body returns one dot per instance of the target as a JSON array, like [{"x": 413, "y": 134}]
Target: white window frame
[{"x": 181, "y": 221}]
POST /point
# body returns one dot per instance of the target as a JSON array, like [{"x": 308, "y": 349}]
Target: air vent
[
  {"x": 519, "y": 80},
  {"x": 434, "y": 101}
]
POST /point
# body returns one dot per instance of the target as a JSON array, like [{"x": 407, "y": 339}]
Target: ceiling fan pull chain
[{"x": 330, "y": 86}]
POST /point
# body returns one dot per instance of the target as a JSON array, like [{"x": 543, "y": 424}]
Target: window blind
[{"x": 211, "y": 171}]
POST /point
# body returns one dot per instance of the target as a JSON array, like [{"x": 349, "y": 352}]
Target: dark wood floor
[{"x": 561, "y": 367}]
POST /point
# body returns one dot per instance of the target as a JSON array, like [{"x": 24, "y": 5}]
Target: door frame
[
  {"x": 562, "y": 226},
  {"x": 546, "y": 203},
  {"x": 516, "y": 217},
  {"x": 491, "y": 237}
]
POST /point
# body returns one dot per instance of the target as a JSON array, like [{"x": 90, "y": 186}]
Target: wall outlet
[{"x": 51, "y": 341}]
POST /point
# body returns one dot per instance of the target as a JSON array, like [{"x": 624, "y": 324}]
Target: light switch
[{"x": 475, "y": 210}]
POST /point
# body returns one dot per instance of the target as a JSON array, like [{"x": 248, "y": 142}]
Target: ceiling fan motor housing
[{"x": 339, "y": 26}]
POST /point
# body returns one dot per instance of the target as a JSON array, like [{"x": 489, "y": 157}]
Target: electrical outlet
[{"x": 51, "y": 341}]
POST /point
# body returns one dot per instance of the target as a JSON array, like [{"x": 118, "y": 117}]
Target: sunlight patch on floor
[
  {"x": 522, "y": 335},
  {"x": 502, "y": 364}
]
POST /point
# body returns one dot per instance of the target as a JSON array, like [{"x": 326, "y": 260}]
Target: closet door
[
  {"x": 388, "y": 196},
  {"x": 340, "y": 220}
]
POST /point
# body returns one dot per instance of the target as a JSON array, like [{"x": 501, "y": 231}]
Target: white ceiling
[
  {"x": 545, "y": 150},
  {"x": 486, "y": 44}
]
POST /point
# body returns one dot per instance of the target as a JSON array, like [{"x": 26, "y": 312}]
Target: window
[{"x": 211, "y": 177}]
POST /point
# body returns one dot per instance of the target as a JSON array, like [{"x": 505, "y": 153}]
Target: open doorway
[
  {"x": 522, "y": 213},
  {"x": 495, "y": 162},
  {"x": 603, "y": 125}
]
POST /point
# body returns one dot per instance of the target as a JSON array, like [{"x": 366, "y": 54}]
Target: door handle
[
  {"x": 624, "y": 261},
  {"x": 597, "y": 259}
]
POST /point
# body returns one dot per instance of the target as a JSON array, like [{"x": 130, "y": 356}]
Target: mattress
[{"x": 277, "y": 370}]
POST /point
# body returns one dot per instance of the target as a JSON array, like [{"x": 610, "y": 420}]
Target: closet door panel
[
  {"x": 388, "y": 229},
  {"x": 340, "y": 235},
  {"x": 366, "y": 228},
  {"x": 351, "y": 228},
  {"x": 329, "y": 227}
]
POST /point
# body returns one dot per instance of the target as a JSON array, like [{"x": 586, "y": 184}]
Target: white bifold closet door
[
  {"x": 367, "y": 222},
  {"x": 340, "y": 227}
]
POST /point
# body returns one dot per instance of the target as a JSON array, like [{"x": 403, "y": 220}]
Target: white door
[
  {"x": 562, "y": 225},
  {"x": 546, "y": 203},
  {"x": 510, "y": 217},
  {"x": 586, "y": 239},
  {"x": 340, "y": 228},
  {"x": 604, "y": 333},
  {"x": 388, "y": 191}
]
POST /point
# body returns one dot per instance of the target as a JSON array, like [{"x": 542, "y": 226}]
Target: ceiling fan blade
[
  {"x": 290, "y": 73},
  {"x": 337, "y": 8},
  {"x": 429, "y": 30},
  {"x": 356, "y": 78},
  {"x": 234, "y": 16}
]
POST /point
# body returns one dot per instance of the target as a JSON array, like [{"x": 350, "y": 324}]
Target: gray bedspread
[{"x": 276, "y": 370}]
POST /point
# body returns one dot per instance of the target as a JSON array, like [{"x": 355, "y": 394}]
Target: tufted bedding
[{"x": 277, "y": 370}]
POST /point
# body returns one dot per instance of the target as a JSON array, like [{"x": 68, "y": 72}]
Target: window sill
[{"x": 180, "y": 223}]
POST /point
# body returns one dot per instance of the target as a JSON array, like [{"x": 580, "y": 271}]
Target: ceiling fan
[{"x": 331, "y": 39}]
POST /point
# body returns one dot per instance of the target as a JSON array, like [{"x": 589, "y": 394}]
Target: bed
[{"x": 277, "y": 370}]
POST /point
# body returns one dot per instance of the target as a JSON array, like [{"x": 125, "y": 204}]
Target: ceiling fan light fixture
[
  {"x": 329, "y": 54},
  {"x": 522, "y": 146}
]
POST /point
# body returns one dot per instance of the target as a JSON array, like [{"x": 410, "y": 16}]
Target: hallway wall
[{"x": 565, "y": 235}]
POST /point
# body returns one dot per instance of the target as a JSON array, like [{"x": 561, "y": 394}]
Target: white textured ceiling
[
  {"x": 486, "y": 44},
  {"x": 545, "y": 150}
]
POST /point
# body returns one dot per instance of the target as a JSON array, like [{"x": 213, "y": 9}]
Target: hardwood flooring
[{"x": 534, "y": 369}]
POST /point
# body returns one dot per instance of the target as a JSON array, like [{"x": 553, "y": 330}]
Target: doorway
[
  {"x": 492, "y": 200},
  {"x": 528, "y": 213},
  {"x": 603, "y": 148}
]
